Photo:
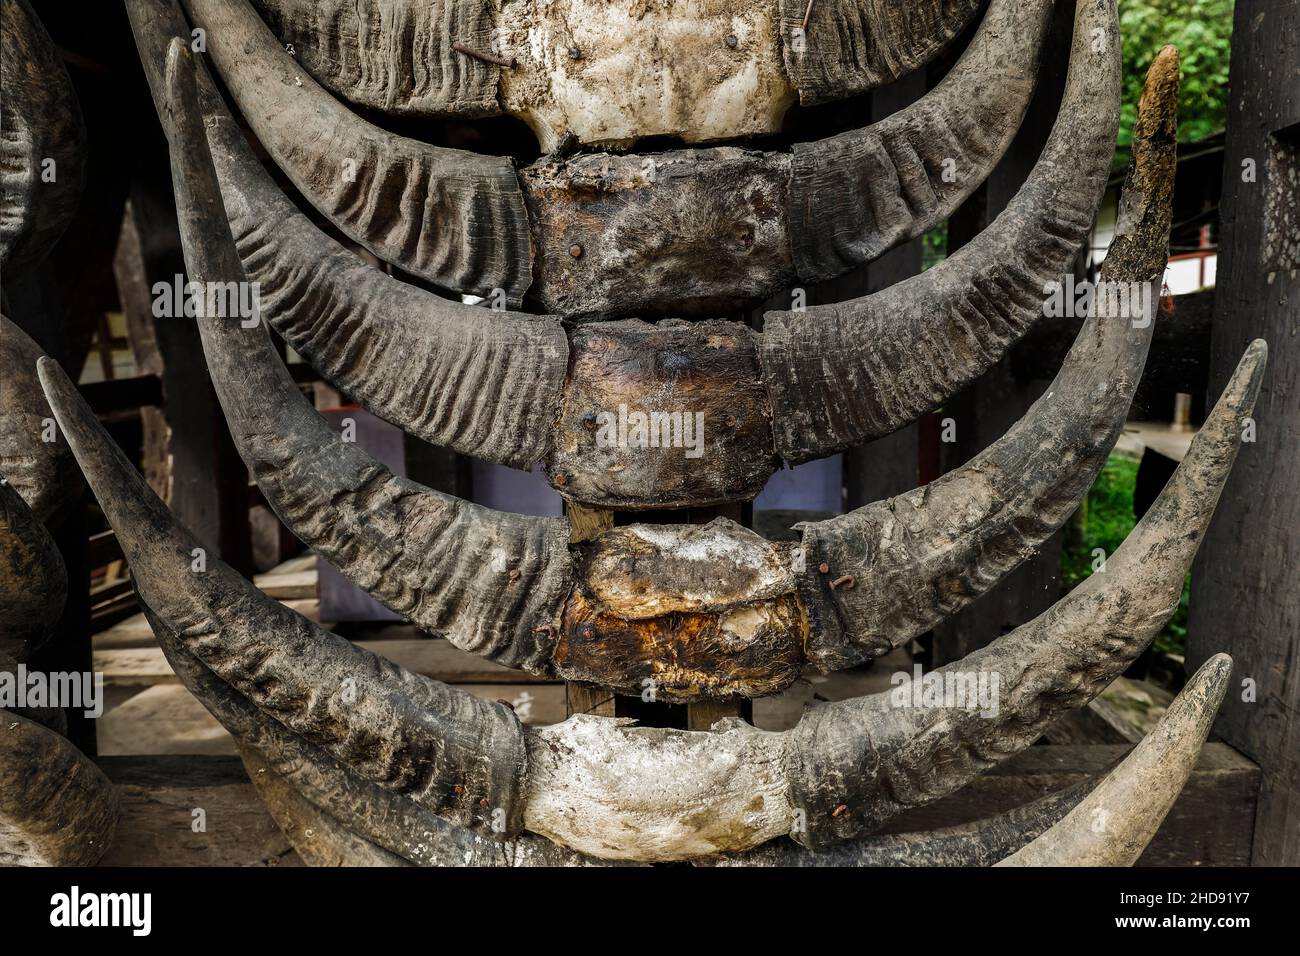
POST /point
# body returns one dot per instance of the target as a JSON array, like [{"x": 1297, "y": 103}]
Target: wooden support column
[
  {"x": 983, "y": 412},
  {"x": 579, "y": 697},
  {"x": 195, "y": 466},
  {"x": 1246, "y": 580}
]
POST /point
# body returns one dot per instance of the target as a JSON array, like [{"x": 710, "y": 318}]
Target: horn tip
[
  {"x": 53, "y": 379},
  {"x": 1211, "y": 679}
]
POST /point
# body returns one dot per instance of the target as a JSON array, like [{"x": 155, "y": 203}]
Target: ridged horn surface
[
  {"x": 605, "y": 75},
  {"x": 852, "y": 46},
  {"x": 487, "y": 579},
  {"x": 620, "y": 792},
  {"x": 857, "y": 763},
  {"x": 43, "y": 472},
  {"x": 918, "y": 558},
  {"x": 703, "y": 231},
  {"x": 595, "y": 219},
  {"x": 1114, "y": 823},
  {"x": 41, "y": 133},
  {"x": 455, "y": 754},
  {"x": 841, "y": 374},
  {"x": 363, "y": 821},
  {"x": 333, "y": 817},
  {"x": 33, "y": 580},
  {"x": 485, "y": 385},
  {"x": 452, "y": 217},
  {"x": 858, "y": 194},
  {"x": 56, "y": 807}
]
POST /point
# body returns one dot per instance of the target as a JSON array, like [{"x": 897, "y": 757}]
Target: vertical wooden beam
[
  {"x": 208, "y": 488},
  {"x": 579, "y": 697},
  {"x": 1246, "y": 580},
  {"x": 983, "y": 412}
]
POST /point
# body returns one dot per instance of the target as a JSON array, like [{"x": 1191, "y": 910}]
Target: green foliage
[
  {"x": 1202, "y": 31},
  {"x": 1106, "y": 522}
]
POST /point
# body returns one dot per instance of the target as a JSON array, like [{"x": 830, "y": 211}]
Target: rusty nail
[
  {"x": 842, "y": 808},
  {"x": 483, "y": 802},
  {"x": 824, "y": 568},
  {"x": 732, "y": 41},
  {"x": 514, "y": 574},
  {"x": 559, "y": 478},
  {"x": 575, "y": 53},
  {"x": 806, "y": 14},
  {"x": 588, "y": 631},
  {"x": 589, "y": 421},
  {"x": 848, "y": 582},
  {"x": 459, "y": 789},
  {"x": 509, "y": 62},
  {"x": 730, "y": 421},
  {"x": 575, "y": 250}
]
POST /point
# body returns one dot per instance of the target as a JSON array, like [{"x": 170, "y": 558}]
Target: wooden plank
[
  {"x": 168, "y": 719},
  {"x": 430, "y": 656},
  {"x": 984, "y": 411},
  {"x": 1209, "y": 825},
  {"x": 1245, "y": 595}
]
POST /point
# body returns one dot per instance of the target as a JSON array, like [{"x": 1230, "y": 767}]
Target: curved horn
[
  {"x": 449, "y": 216},
  {"x": 1114, "y": 823},
  {"x": 33, "y": 580},
  {"x": 483, "y": 385},
  {"x": 357, "y": 823},
  {"x": 610, "y": 790},
  {"x": 982, "y": 843},
  {"x": 361, "y": 821},
  {"x": 598, "y": 219},
  {"x": 857, "y": 763},
  {"x": 841, "y": 374},
  {"x": 856, "y": 195},
  {"x": 487, "y": 579},
  {"x": 41, "y": 132},
  {"x": 56, "y": 807},
  {"x": 41, "y": 470},
  {"x": 918, "y": 558},
  {"x": 589, "y": 71},
  {"x": 449, "y": 751}
]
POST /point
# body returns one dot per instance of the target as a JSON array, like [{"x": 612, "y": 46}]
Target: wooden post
[
  {"x": 983, "y": 412},
  {"x": 1246, "y": 580},
  {"x": 206, "y": 483}
]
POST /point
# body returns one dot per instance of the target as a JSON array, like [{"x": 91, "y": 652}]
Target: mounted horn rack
[{"x": 658, "y": 302}]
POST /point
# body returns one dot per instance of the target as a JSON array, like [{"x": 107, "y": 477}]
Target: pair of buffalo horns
[
  {"x": 599, "y": 786},
  {"x": 686, "y": 231},
  {"x": 614, "y": 791},
  {"x": 519, "y": 389},
  {"x": 700, "y": 612}
]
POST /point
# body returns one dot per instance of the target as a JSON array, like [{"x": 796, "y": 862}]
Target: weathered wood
[
  {"x": 585, "y": 524},
  {"x": 1209, "y": 825},
  {"x": 986, "y": 409},
  {"x": 662, "y": 416},
  {"x": 1245, "y": 599}
]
